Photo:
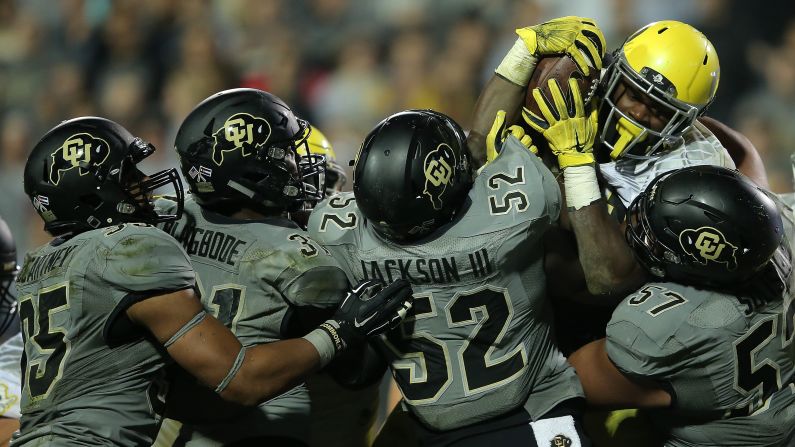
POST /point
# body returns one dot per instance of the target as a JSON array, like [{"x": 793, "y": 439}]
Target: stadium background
[{"x": 342, "y": 64}]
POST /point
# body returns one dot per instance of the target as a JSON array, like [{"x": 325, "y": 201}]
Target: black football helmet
[
  {"x": 704, "y": 225},
  {"x": 8, "y": 271},
  {"x": 412, "y": 173},
  {"x": 235, "y": 149},
  {"x": 82, "y": 175}
]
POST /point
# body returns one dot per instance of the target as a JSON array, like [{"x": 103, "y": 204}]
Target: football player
[
  {"x": 10, "y": 338},
  {"x": 710, "y": 340},
  {"x": 648, "y": 119},
  {"x": 104, "y": 301},
  {"x": 475, "y": 360},
  {"x": 647, "y": 115},
  {"x": 244, "y": 156}
]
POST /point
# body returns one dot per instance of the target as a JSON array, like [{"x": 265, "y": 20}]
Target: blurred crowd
[{"x": 342, "y": 64}]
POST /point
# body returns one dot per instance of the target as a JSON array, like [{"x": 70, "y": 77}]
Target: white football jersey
[{"x": 627, "y": 177}]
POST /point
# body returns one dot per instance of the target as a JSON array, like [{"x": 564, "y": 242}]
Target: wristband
[
  {"x": 518, "y": 64},
  {"x": 324, "y": 342},
  {"x": 581, "y": 186}
]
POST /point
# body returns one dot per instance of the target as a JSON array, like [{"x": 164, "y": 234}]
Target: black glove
[{"x": 369, "y": 309}]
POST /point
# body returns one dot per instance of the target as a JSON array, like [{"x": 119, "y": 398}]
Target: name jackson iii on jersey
[{"x": 478, "y": 341}]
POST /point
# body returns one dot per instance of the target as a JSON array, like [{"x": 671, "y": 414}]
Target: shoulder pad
[
  {"x": 515, "y": 187},
  {"x": 140, "y": 257},
  {"x": 335, "y": 220}
]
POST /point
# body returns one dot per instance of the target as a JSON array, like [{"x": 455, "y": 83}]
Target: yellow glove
[
  {"x": 497, "y": 135},
  {"x": 570, "y": 132},
  {"x": 570, "y": 35}
]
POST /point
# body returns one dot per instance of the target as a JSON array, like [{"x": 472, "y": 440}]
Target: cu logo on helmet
[
  {"x": 240, "y": 131},
  {"x": 439, "y": 164},
  {"x": 707, "y": 244},
  {"x": 81, "y": 150}
]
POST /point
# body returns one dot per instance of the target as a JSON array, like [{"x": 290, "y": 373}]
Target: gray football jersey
[
  {"x": 478, "y": 341},
  {"x": 89, "y": 376},
  {"x": 728, "y": 361},
  {"x": 258, "y": 278}
]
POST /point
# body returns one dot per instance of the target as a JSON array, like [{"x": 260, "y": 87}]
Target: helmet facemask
[
  {"x": 8, "y": 302},
  {"x": 649, "y": 251},
  {"x": 136, "y": 191},
  {"x": 272, "y": 183},
  {"x": 621, "y": 134}
]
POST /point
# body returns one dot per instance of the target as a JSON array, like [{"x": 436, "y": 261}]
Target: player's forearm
[
  {"x": 740, "y": 149},
  {"x": 271, "y": 369},
  {"x": 605, "y": 386},
  {"x": 7, "y": 428},
  {"x": 498, "y": 94},
  {"x": 609, "y": 266}
]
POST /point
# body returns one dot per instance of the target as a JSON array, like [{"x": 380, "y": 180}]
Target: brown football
[{"x": 560, "y": 68}]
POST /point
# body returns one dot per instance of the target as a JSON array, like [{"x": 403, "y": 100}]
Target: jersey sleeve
[
  {"x": 145, "y": 261},
  {"x": 10, "y": 377},
  {"x": 303, "y": 272},
  {"x": 516, "y": 187},
  {"x": 641, "y": 335},
  {"x": 671, "y": 334},
  {"x": 335, "y": 220}
]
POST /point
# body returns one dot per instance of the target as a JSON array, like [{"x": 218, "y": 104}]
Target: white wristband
[
  {"x": 581, "y": 186},
  {"x": 323, "y": 342},
  {"x": 518, "y": 64}
]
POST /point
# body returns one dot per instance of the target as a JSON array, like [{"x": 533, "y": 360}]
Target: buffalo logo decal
[
  {"x": 242, "y": 132},
  {"x": 560, "y": 441},
  {"x": 708, "y": 244},
  {"x": 439, "y": 165},
  {"x": 81, "y": 151}
]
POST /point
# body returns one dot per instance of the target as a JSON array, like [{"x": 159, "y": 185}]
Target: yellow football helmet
[
  {"x": 673, "y": 64},
  {"x": 335, "y": 174}
]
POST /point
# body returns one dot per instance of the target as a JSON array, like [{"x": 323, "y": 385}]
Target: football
[{"x": 560, "y": 68}]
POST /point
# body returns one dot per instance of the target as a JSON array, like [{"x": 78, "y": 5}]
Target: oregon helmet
[
  {"x": 235, "y": 150},
  {"x": 412, "y": 173},
  {"x": 8, "y": 271},
  {"x": 676, "y": 67},
  {"x": 704, "y": 225},
  {"x": 317, "y": 143},
  {"x": 83, "y": 174}
]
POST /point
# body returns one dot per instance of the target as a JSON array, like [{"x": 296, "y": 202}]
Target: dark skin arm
[
  {"x": 740, "y": 149},
  {"x": 7, "y": 428},
  {"x": 498, "y": 94},
  {"x": 208, "y": 350},
  {"x": 608, "y": 263},
  {"x": 605, "y": 386}
]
